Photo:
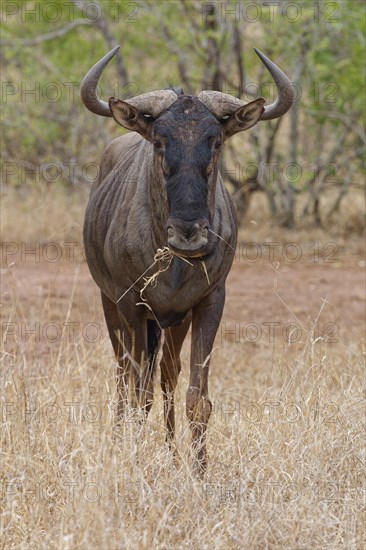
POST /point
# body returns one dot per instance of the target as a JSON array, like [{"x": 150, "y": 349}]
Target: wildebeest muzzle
[{"x": 188, "y": 238}]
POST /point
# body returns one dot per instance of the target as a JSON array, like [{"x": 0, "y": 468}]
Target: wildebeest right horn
[
  {"x": 222, "y": 105},
  {"x": 151, "y": 103}
]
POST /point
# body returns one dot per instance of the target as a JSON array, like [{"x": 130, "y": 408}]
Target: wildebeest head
[{"x": 187, "y": 133}]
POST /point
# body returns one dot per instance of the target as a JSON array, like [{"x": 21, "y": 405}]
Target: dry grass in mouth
[{"x": 162, "y": 258}]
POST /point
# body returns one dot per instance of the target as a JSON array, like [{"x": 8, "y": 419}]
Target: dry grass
[
  {"x": 51, "y": 213},
  {"x": 48, "y": 214},
  {"x": 285, "y": 441},
  {"x": 286, "y": 448}
]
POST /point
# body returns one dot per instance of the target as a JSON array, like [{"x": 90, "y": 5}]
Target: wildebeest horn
[
  {"x": 222, "y": 105},
  {"x": 151, "y": 103},
  {"x": 88, "y": 89}
]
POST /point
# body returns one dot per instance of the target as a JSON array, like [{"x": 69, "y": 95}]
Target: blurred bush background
[{"x": 307, "y": 165}]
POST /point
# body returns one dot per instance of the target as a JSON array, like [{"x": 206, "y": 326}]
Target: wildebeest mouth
[{"x": 189, "y": 254}]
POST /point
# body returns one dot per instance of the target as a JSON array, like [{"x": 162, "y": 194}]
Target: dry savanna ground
[{"x": 286, "y": 438}]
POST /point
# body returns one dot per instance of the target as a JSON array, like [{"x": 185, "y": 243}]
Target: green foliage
[{"x": 163, "y": 42}]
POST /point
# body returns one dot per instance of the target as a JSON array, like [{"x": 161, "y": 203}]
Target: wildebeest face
[{"x": 187, "y": 138}]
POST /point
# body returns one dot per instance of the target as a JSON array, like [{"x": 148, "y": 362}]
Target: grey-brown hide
[
  {"x": 127, "y": 215},
  {"x": 159, "y": 186}
]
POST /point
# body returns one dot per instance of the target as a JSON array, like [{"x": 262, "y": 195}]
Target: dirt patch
[{"x": 283, "y": 295}]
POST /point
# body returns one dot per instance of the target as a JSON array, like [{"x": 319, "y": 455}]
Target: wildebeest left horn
[
  {"x": 151, "y": 103},
  {"x": 222, "y": 105}
]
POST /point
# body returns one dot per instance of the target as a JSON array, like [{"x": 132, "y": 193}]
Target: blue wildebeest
[{"x": 157, "y": 187}]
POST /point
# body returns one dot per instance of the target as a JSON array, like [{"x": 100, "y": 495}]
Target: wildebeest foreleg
[
  {"x": 170, "y": 367},
  {"x": 115, "y": 333},
  {"x": 129, "y": 340},
  {"x": 206, "y": 318}
]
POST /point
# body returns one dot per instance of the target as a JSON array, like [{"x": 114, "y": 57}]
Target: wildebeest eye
[
  {"x": 157, "y": 144},
  {"x": 218, "y": 144}
]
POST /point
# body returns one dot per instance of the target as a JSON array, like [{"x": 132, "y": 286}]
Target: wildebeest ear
[
  {"x": 131, "y": 118},
  {"x": 243, "y": 118}
]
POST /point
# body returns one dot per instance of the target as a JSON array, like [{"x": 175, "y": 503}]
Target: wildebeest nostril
[{"x": 188, "y": 232}]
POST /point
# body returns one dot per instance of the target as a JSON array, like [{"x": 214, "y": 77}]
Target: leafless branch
[
  {"x": 212, "y": 72},
  {"x": 101, "y": 23},
  {"x": 188, "y": 13},
  {"x": 294, "y": 114},
  {"x": 316, "y": 182},
  {"x": 347, "y": 121},
  {"x": 343, "y": 191},
  {"x": 44, "y": 37},
  {"x": 273, "y": 130},
  {"x": 174, "y": 48},
  {"x": 239, "y": 59}
]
